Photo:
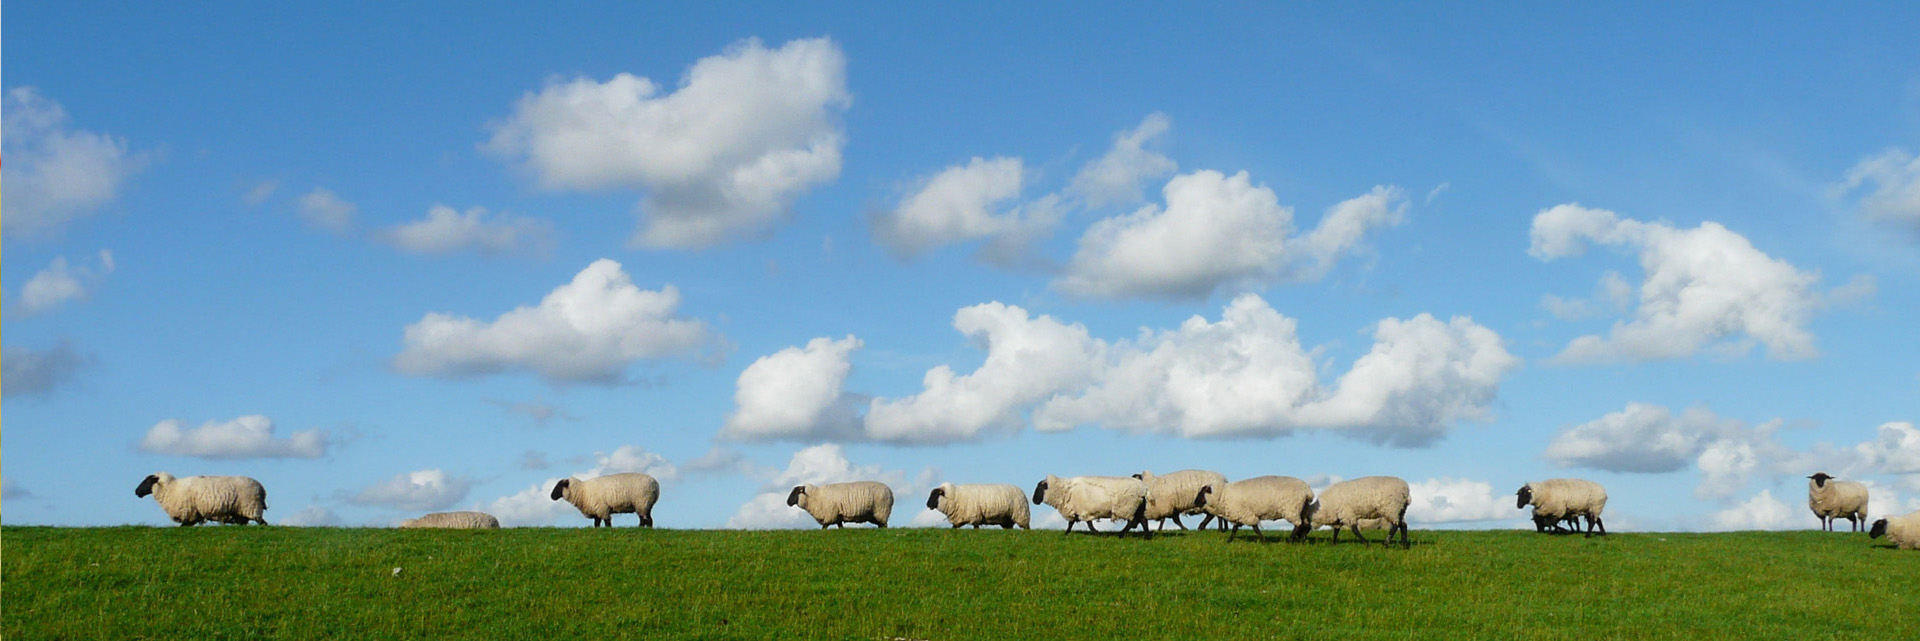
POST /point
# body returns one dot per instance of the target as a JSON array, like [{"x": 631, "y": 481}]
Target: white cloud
[
  {"x": 30, "y": 372},
  {"x": 420, "y": 491},
  {"x": 1450, "y": 500},
  {"x": 1762, "y": 512},
  {"x": 529, "y": 507},
  {"x": 795, "y": 393},
  {"x": 959, "y": 204},
  {"x": 1216, "y": 232},
  {"x": 1895, "y": 195},
  {"x": 260, "y": 192},
  {"x": 1613, "y": 293},
  {"x": 445, "y": 231},
  {"x": 1028, "y": 360},
  {"x": 324, "y": 210},
  {"x": 311, "y": 516},
  {"x": 1117, "y": 177},
  {"x": 819, "y": 465},
  {"x": 745, "y": 134},
  {"x": 55, "y": 175},
  {"x": 1640, "y": 438},
  {"x": 246, "y": 437},
  {"x": 60, "y": 283},
  {"x": 632, "y": 458},
  {"x": 588, "y": 330}
]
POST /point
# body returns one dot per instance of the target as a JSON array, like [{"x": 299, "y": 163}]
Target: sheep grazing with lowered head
[
  {"x": 1558, "y": 500},
  {"x": 1347, "y": 503},
  {"x": 1903, "y": 530},
  {"x": 1262, "y": 498},
  {"x": 454, "y": 521},
  {"x": 193, "y": 500},
  {"x": 843, "y": 503},
  {"x": 1831, "y": 499},
  {"x": 1173, "y": 494},
  {"x": 977, "y": 505},
  {"x": 601, "y": 497},
  {"x": 1085, "y": 498}
]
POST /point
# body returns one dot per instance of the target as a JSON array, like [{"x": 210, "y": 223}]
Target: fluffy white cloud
[
  {"x": 1450, "y": 500},
  {"x": 1640, "y": 438},
  {"x": 246, "y": 437},
  {"x": 1117, "y": 177},
  {"x": 959, "y": 204},
  {"x": 795, "y": 393},
  {"x": 1762, "y": 512},
  {"x": 327, "y": 211},
  {"x": 312, "y": 516},
  {"x": 55, "y": 175},
  {"x": 632, "y": 458},
  {"x": 819, "y": 465},
  {"x": 1895, "y": 195},
  {"x": 420, "y": 491},
  {"x": 746, "y": 133},
  {"x": 529, "y": 507},
  {"x": 1217, "y": 231},
  {"x": 588, "y": 330},
  {"x": 260, "y": 193},
  {"x": 60, "y": 283},
  {"x": 1028, "y": 360},
  {"x": 1706, "y": 288},
  {"x": 30, "y": 372},
  {"x": 446, "y": 230}
]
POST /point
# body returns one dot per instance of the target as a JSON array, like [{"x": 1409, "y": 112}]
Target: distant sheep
[
  {"x": 977, "y": 505},
  {"x": 843, "y": 503},
  {"x": 1832, "y": 499},
  {"x": 1173, "y": 494},
  {"x": 194, "y": 500},
  {"x": 1085, "y": 498},
  {"x": 1347, "y": 503},
  {"x": 1557, "y": 500},
  {"x": 454, "y": 521},
  {"x": 1262, "y": 498},
  {"x": 600, "y": 498},
  {"x": 1903, "y": 531}
]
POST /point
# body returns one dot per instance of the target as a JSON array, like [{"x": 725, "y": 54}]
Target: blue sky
[{"x": 395, "y": 261}]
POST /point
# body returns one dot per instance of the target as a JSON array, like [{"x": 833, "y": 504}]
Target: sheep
[
  {"x": 600, "y": 498},
  {"x": 1262, "y": 498},
  {"x": 1832, "y": 499},
  {"x": 1085, "y": 498},
  {"x": 197, "y": 499},
  {"x": 977, "y": 505},
  {"x": 841, "y": 503},
  {"x": 1172, "y": 495},
  {"x": 454, "y": 520},
  {"x": 1903, "y": 531},
  {"x": 1347, "y": 503},
  {"x": 1557, "y": 500}
]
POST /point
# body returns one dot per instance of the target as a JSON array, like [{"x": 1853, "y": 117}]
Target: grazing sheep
[
  {"x": 1172, "y": 495},
  {"x": 194, "y": 500},
  {"x": 454, "y": 521},
  {"x": 843, "y": 503},
  {"x": 600, "y": 498},
  {"x": 1832, "y": 499},
  {"x": 1557, "y": 500},
  {"x": 977, "y": 505},
  {"x": 1347, "y": 503},
  {"x": 1085, "y": 498},
  {"x": 1903, "y": 531},
  {"x": 1262, "y": 498}
]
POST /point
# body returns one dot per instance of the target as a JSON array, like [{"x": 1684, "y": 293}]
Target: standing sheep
[
  {"x": 1085, "y": 498},
  {"x": 1347, "y": 503},
  {"x": 454, "y": 521},
  {"x": 1556, "y": 500},
  {"x": 600, "y": 498},
  {"x": 842, "y": 503},
  {"x": 1832, "y": 499},
  {"x": 1262, "y": 498},
  {"x": 977, "y": 505},
  {"x": 1172, "y": 495},
  {"x": 197, "y": 499},
  {"x": 1903, "y": 531}
]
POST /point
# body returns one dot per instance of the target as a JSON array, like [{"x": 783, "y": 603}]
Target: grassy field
[{"x": 319, "y": 583}]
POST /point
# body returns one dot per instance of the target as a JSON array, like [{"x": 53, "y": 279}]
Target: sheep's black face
[
  {"x": 1879, "y": 529},
  {"x": 1200, "y": 500},
  {"x": 793, "y": 498},
  {"x": 1039, "y": 492},
  {"x": 146, "y": 486},
  {"x": 1820, "y": 479},
  {"x": 560, "y": 489},
  {"x": 933, "y": 500},
  {"x": 1526, "y": 496},
  {"x": 1137, "y": 475}
]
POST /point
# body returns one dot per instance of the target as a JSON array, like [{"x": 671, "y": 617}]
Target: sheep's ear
[
  {"x": 560, "y": 488},
  {"x": 793, "y": 498},
  {"x": 146, "y": 486},
  {"x": 933, "y": 500},
  {"x": 1039, "y": 492},
  {"x": 1879, "y": 529}
]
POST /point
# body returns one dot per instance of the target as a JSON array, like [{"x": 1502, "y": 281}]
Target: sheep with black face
[
  {"x": 1830, "y": 499},
  {"x": 982, "y": 504},
  {"x": 193, "y": 500},
  {"x": 601, "y": 497},
  {"x": 843, "y": 503},
  {"x": 1557, "y": 500},
  {"x": 1085, "y": 498}
]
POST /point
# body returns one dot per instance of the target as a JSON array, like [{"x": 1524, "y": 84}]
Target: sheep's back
[{"x": 1369, "y": 497}]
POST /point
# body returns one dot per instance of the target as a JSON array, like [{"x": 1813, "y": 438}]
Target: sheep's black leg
[
  {"x": 1603, "y": 526},
  {"x": 1070, "y": 523},
  {"x": 1235, "y": 532},
  {"x": 1355, "y": 526},
  {"x": 1176, "y": 521},
  {"x": 1258, "y": 533}
]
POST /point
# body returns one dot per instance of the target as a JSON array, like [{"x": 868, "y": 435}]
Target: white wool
[
  {"x": 1174, "y": 494},
  {"x": 194, "y": 500},
  {"x": 983, "y": 504},
  {"x": 1903, "y": 530},
  {"x": 602, "y": 497},
  {"x": 1085, "y": 498},
  {"x": 1347, "y": 503},
  {"x": 843, "y": 503},
  {"x": 1262, "y": 498},
  {"x": 1555, "y": 500},
  {"x": 1837, "y": 499},
  {"x": 454, "y": 520}
]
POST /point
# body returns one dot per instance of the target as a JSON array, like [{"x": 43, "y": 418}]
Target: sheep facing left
[
  {"x": 843, "y": 503},
  {"x": 601, "y": 497},
  {"x": 193, "y": 500}
]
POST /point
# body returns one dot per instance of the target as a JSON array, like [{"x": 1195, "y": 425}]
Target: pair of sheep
[
  {"x": 1556, "y": 501},
  {"x": 1351, "y": 504}
]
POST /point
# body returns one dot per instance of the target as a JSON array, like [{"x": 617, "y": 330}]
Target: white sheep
[
  {"x": 1262, "y": 498},
  {"x": 194, "y": 500},
  {"x": 843, "y": 503},
  {"x": 1557, "y": 500},
  {"x": 1832, "y": 499},
  {"x": 977, "y": 505},
  {"x": 1347, "y": 503},
  {"x": 601, "y": 497},
  {"x": 454, "y": 520},
  {"x": 1085, "y": 498},
  {"x": 1173, "y": 494},
  {"x": 1903, "y": 531}
]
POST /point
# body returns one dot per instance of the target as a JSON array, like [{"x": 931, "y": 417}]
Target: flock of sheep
[{"x": 1372, "y": 502}]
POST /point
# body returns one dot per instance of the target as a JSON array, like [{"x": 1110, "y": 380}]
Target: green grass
[{"x": 307, "y": 583}]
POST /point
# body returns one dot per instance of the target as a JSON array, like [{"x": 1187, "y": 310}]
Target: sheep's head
[
  {"x": 1200, "y": 500},
  {"x": 793, "y": 498},
  {"x": 560, "y": 489},
  {"x": 1308, "y": 514},
  {"x": 1879, "y": 529},
  {"x": 1820, "y": 479},
  {"x": 933, "y": 500},
  {"x": 1525, "y": 494},
  {"x": 146, "y": 486},
  {"x": 1040, "y": 491}
]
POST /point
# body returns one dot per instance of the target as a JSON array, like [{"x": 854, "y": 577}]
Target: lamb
[
  {"x": 197, "y": 499},
  {"x": 1174, "y": 494},
  {"x": 1347, "y": 503},
  {"x": 1903, "y": 531},
  {"x": 600, "y": 498},
  {"x": 1085, "y": 498},
  {"x": 977, "y": 505},
  {"x": 841, "y": 503},
  {"x": 1832, "y": 499},
  {"x": 1557, "y": 500},
  {"x": 454, "y": 520},
  {"x": 1262, "y": 498}
]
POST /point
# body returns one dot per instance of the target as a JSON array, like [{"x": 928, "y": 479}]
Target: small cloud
[
  {"x": 36, "y": 373},
  {"x": 247, "y": 437},
  {"x": 312, "y": 516},
  {"x": 445, "y": 231},
  {"x": 324, "y": 210},
  {"x": 420, "y": 491},
  {"x": 56, "y": 175},
  {"x": 1436, "y": 191},
  {"x": 260, "y": 193},
  {"x": 61, "y": 283}
]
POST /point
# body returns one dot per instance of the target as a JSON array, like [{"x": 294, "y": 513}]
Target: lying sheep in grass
[
  {"x": 843, "y": 503},
  {"x": 1172, "y": 495},
  {"x": 1558, "y": 500},
  {"x": 1903, "y": 531},
  {"x": 600, "y": 498},
  {"x": 197, "y": 499},
  {"x": 1347, "y": 503},
  {"x": 1831, "y": 499},
  {"x": 1085, "y": 498},
  {"x": 977, "y": 505},
  {"x": 1262, "y": 498},
  {"x": 454, "y": 521}
]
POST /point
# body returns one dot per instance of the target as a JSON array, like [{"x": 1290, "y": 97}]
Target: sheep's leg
[
  {"x": 1336, "y": 534},
  {"x": 1355, "y": 526},
  {"x": 1233, "y": 533},
  {"x": 1205, "y": 521},
  {"x": 1258, "y": 533},
  {"x": 1176, "y": 521},
  {"x": 1070, "y": 523},
  {"x": 1603, "y": 526}
]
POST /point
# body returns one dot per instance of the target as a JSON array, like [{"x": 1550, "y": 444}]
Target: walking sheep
[
  {"x": 1347, "y": 503},
  {"x": 843, "y": 503},
  {"x": 600, "y": 498},
  {"x": 1174, "y": 494},
  {"x": 1262, "y": 498},
  {"x": 1832, "y": 499},
  {"x": 194, "y": 500},
  {"x": 454, "y": 521},
  {"x": 977, "y": 505},
  {"x": 1556, "y": 500},
  {"x": 1085, "y": 498},
  {"x": 1903, "y": 531}
]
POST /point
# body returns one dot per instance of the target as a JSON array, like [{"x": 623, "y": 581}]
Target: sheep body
[
  {"x": 1262, "y": 498},
  {"x": 193, "y": 500},
  {"x": 1830, "y": 499},
  {"x": 1347, "y": 503},
  {"x": 1085, "y": 498},
  {"x": 454, "y": 520},
  {"x": 601, "y": 497},
  {"x": 1903, "y": 530},
  {"x": 843, "y": 503},
  {"x": 977, "y": 505},
  {"x": 1174, "y": 494},
  {"x": 1556, "y": 500}
]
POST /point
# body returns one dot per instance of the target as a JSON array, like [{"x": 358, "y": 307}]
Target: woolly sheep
[
  {"x": 1262, "y": 498},
  {"x": 1832, "y": 499},
  {"x": 601, "y": 497},
  {"x": 977, "y": 505},
  {"x": 1903, "y": 531},
  {"x": 842, "y": 503},
  {"x": 454, "y": 520},
  {"x": 1085, "y": 498},
  {"x": 194, "y": 500},
  {"x": 1346, "y": 503},
  {"x": 1557, "y": 500},
  {"x": 1174, "y": 494}
]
